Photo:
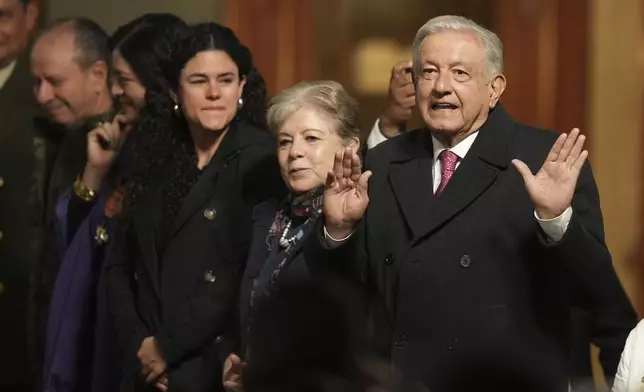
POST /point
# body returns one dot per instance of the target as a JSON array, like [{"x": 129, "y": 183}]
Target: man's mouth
[{"x": 443, "y": 106}]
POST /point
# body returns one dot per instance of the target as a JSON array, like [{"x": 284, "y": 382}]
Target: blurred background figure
[
  {"x": 401, "y": 100},
  {"x": 19, "y": 225},
  {"x": 81, "y": 350},
  {"x": 630, "y": 373}
]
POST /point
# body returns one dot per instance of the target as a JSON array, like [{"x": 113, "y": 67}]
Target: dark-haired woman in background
[
  {"x": 79, "y": 349},
  {"x": 174, "y": 275}
]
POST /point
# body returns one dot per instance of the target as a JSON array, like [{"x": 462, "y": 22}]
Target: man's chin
[{"x": 444, "y": 128}]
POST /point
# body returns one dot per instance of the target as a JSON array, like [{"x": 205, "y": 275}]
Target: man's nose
[
  {"x": 443, "y": 84},
  {"x": 43, "y": 92}
]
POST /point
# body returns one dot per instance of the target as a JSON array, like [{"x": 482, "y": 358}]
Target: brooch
[
  {"x": 113, "y": 206},
  {"x": 101, "y": 236}
]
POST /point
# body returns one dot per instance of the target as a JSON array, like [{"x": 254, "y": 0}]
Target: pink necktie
[{"x": 448, "y": 166}]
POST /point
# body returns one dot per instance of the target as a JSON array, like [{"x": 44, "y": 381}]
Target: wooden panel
[
  {"x": 573, "y": 67},
  {"x": 637, "y": 261},
  {"x": 280, "y": 33},
  {"x": 517, "y": 26},
  {"x": 546, "y": 62}
]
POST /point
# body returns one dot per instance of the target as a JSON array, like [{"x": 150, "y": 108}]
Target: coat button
[
  {"x": 451, "y": 346},
  {"x": 1, "y": 182},
  {"x": 219, "y": 339},
  {"x": 1, "y": 235},
  {"x": 2, "y": 287},
  {"x": 401, "y": 340},
  {"x": 466, "y": 261},
  {"x": 210, "y": 213},
  {"x": 209, "y": 276},
  {"x": 389, "y": 259}
]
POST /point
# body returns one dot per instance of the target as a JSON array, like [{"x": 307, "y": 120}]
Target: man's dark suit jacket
[
  {"x": 468, "y": 292},
  {"x": 18, "y": 224}
]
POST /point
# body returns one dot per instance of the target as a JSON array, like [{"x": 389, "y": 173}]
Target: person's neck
[
  {"x": 451, "y": 139},
  {"x": 206, "y": 143},
  {"x": 102, "y": 105}
]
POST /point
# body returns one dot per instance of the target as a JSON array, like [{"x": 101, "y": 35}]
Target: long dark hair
[
  {"x": 145, "y": 43},
  {"x": 164, "y": 148}
]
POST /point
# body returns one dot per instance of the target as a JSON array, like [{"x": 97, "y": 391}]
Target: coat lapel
[
  {"x": 477, "y": 172},
  {"x": 410, "y": 178},
  {"x": 201, "y": 192}
]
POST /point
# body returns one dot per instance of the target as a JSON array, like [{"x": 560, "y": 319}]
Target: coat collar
[{"x": 410, "y": 174}]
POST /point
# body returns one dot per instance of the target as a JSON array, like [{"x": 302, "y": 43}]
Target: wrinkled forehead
[
  {"x": 55, "y": 52},
  {"x": 453, "y": 46}
]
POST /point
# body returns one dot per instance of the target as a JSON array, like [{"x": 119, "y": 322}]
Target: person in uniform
[{"x": 17, "y": 110}]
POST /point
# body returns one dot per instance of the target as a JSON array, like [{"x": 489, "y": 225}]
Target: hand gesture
[
  {"x": 153, "y": 365},
  {"x": 346, "y": 194},
  {"x": 552, "y": 188},
  {"x": 401, "y": 100},
  {"x": 232, "y": 374},
  {"x": 104, "y": 143}
]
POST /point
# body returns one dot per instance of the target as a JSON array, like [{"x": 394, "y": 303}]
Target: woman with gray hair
[{"x": 313, "y": 122}]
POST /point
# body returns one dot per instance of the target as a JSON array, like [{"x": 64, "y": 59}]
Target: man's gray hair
[{"x": 490, "y": 41}]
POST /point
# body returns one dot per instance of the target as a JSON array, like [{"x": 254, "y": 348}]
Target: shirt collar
[
  {"x": 5, "y": 73},
  {"x": 460, "y": 149}
]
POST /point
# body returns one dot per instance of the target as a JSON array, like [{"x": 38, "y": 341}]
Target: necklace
[{"x": 286, "y": 242}]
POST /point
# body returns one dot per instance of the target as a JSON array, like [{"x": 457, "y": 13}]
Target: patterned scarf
[{"x": 299, "y": 210}]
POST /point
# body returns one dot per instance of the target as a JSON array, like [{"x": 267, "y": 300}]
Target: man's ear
[
  {"x": 497, "y": 87},
  {"x": 31, "y": 15},
  {"x": 100, "y": 73}
]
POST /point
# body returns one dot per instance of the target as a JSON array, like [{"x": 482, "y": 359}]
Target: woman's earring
[
  {"x": 176, "y": 109},
  {"x": 240, "y": 103}
]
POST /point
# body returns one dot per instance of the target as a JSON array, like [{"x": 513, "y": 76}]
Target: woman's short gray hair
[
  {"x": 490, "y": 41},
  {"x": 327, "y": 97}
]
